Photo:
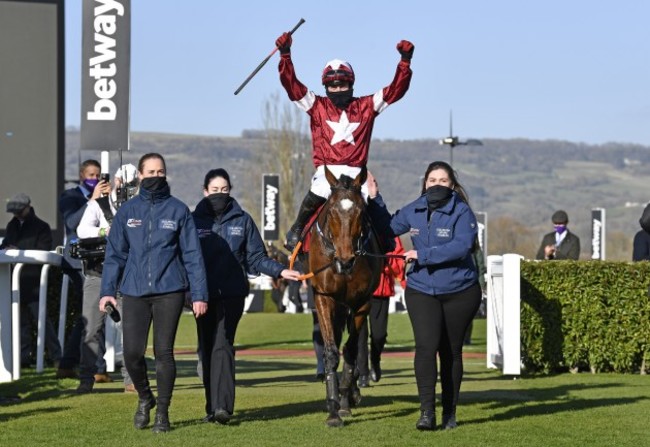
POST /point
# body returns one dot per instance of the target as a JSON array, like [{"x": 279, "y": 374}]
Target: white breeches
[{"x": 321, "y": 187}]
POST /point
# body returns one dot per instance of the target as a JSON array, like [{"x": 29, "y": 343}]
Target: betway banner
[
  {"x": 482, "y": 221},
  {"x": 271, "y": 207},
  {"x": 598, "y": 233},
  {"x": 105, "y": 75}
]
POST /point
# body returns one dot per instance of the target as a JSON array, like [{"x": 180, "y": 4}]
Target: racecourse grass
[{"x": 280, "y": 404}]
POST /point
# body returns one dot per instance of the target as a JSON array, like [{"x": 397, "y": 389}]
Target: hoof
[
  {"x": 356, "y": 398},
  {"x": 334, "y": 422},
  {"x": 345, "y": 412}
]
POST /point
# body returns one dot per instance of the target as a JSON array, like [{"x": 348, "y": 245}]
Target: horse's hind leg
[{"x": 325, "y": 309}]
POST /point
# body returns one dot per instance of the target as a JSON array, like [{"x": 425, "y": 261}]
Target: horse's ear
[
  {"x": 362, "y": 177},
  {"x": 331, "y": 178}
]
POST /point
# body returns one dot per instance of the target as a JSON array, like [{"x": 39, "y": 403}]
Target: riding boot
[
  {"x": 161, "y": 421},
  {"x": 145, "y": 404},
  {"x": 427, "y": 420},
  {"x": 308, "y": 207},
  {"x": 375, "y": 359}
]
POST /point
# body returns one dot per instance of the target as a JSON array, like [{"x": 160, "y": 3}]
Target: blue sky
[{"x": 571, "y": 70}]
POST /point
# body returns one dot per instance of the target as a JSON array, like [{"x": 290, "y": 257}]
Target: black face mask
[
  {"x": 154, "y": 184},
  {"x": 340, "y": 99},
  {"x": 219, "y": 202},
  {"x": 437, "y": 196}
]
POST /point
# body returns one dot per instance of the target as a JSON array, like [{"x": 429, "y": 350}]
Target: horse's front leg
[
  {"x": 350, "y": 393},
  {"x": 325, "y": 308}
]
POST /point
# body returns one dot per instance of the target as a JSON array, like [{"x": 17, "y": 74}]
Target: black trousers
[
  {"x": 439, "y": 324},
  {"x": 378, "y": 322},
  {"x": 216, "y": 331},
  {"x": 164, "y": 312},
  {"x": 72, "y": 350}
]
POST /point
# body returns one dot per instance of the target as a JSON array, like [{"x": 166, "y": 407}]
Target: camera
[
  {"x": 89, "y": 248},
  {"x": 105, "y": 177}
]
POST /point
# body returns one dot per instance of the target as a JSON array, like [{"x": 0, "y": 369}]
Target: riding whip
[{"x": 259, "y": 67}]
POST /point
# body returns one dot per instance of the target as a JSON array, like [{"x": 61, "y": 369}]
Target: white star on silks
[{"x": 343, "y": 129}]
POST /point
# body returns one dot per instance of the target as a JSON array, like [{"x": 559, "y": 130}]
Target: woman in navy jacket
[
  {"x": 442, "y": 291},
  {"x": 153, "y": 257},
  {"x": 232, "y": 246}
]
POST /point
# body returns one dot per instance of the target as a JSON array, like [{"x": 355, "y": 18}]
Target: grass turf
[{"x": 280, "y": 404}]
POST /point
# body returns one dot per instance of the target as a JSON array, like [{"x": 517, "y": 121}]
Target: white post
[
  {"x": 6, "y": 355},
  {"x": 511, "y": 314},
  {"x": 63, "y": 309},
  {"x": 15, "y": 320},
  {"x": 42, "y": 319},
  {"x": 503, "y": 313},
  {"x": 110, "y": 333},
  {"x": 494, "y": 314}
]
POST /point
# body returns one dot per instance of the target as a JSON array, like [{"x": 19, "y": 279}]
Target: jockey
[{"x": 341, "y": 124}]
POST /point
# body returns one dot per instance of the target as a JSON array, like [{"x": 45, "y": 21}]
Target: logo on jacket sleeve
[
  {"x": 443, "y": 233},
  {"x": 167, "y": 224},
  {"x": 235, "y": 231},
  {"x": 133, "y": 223},
  {"x": 414, "y": 231}
]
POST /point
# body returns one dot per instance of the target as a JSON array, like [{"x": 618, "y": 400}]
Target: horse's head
[{"x": 344, "y": 221}]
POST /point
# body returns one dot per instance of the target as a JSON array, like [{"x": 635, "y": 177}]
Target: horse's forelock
[{"x": 345, "y": 181}]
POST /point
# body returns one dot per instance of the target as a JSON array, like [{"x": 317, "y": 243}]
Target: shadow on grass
[
  {"x": 8, "y": 415},
  {"x": 541, "y": 401},
  {"x": 318, "y": 407}
]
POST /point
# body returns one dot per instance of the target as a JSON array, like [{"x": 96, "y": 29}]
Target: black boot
[
  {"x": 308, "y": 207},
  {"x": 427, "y": 420},
  {"x": 375, "y": 359},
  {"x": 161, "y": 421},
  {"x": 449, "y": 421},
  {"x": 141, "y": 417}
]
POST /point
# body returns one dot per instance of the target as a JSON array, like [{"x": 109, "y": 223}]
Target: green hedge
[{"x": 585, "y": 315}]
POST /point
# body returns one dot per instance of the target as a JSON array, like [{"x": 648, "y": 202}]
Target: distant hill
[{"x": 514, "y": 180}]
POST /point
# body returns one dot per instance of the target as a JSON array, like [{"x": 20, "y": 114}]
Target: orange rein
[{"x": 294, "y": 254}]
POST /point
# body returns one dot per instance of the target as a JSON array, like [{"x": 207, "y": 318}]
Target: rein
[{"x": 329, "y": 245}]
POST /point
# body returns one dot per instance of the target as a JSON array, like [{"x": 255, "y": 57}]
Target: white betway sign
[
  {"x": 598, "y": 233},
  {"x": 106, "y": 66},
  {"x": 270, "y": 207}
]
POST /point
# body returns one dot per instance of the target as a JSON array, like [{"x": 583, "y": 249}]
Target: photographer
[{"x": 95, "y": 223}]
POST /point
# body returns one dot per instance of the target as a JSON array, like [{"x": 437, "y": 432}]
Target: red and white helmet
[{"x": 337, "y": 71}]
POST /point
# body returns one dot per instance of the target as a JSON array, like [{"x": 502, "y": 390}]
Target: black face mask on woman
[
  {"x": 154, "y": 184},
  {"x": 340, "y": 99},
  {"x": 219, "y": 202},
  {"x": 437, "y": 196}
]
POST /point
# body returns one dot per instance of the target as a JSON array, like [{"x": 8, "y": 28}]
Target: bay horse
[{"x": 340, "y": 237}]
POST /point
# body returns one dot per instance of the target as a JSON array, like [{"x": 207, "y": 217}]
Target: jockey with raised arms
[{"x": 341, "y": 124}]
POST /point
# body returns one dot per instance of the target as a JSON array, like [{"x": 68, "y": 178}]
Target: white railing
[
  {"x": 10, "y": 308},
  {"x": 503, "y": 313}
]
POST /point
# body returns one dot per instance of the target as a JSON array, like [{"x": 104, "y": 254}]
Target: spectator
[
  {"x": 153, "y": 257},
  {"x": 641, "y": 250},
  {"x": 561, "y": 243},
  {"x": 27, "y": 232}
]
